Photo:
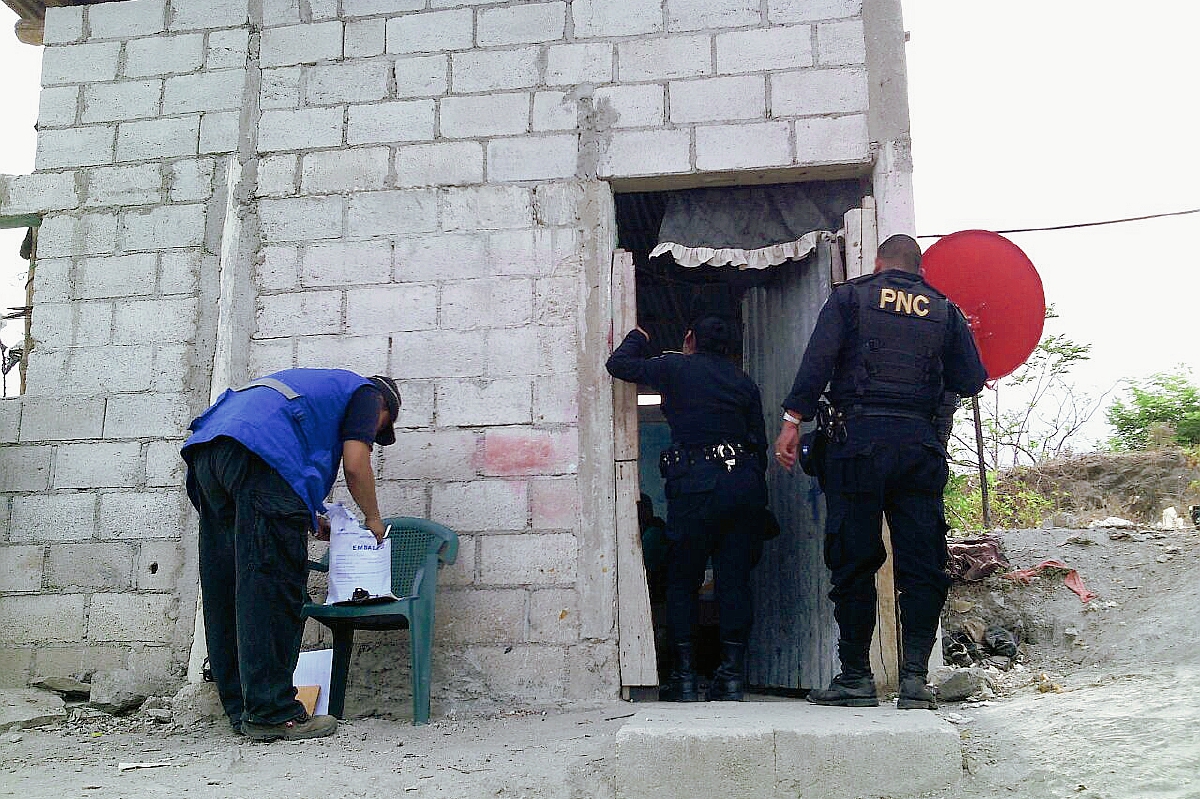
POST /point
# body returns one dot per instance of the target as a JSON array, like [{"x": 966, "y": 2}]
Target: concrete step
[{"x": 777, "y": 749}]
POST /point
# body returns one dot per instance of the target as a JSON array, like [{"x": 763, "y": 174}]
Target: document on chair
[{"x": 360, "y": 568}]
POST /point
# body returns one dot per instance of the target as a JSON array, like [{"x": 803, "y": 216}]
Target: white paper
[
  {"x": 313, "y": 668},
  {"x": 356, "y": 559}
]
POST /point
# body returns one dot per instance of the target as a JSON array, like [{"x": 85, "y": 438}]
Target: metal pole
[{"x": 983, "y": 489}]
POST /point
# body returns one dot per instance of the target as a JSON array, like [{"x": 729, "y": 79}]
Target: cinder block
[
  {"x": 123, "y": 185},
  {"x": 215, "y": 90},
  {"x": 300, "y": 129},
  {"x": 42, "y": 618},
  {"x": 209, "y": 14},
  {"x": 165, "y": 468},
  {"x": 651, "y": 152},
  {"x": 431, "y": 32},
  {"x": 487, "y": 208},
  {"x": 533, "y": 158},
  {"x": 190, "y": 179},
  {"x": 219, "y": 131},
  {"x": 148, "y": 618},
  {"x": 158, "y": 566},
  {"x": 480, "y": 616},
  {"x": 483, "y": 115},
  {"x": 87, "y": 234},
  {"x": 88, "y": 371},
  {"x": 15, "y": 662},
  {"x": 346, "y": 263},
  {"x": 503, "y": 342},
  {"x": 77, "y": 661},
  {"x": 400, "y": 121},
  {"x": 422, "y": 76},
  {"x": 718, "y": 99},
  {"x": 271, "y": 356},
  {"x": 417, "y": 408},
  {"x": 841, "y": 42},
  {"x": 555, "y": 111},
  {"x": 558, "y": 351},
  {"x": 153, "y": 139},
  {"x": 133, "y": 18},
  {"x": 438, "y": 455},
  {"x": 603, "y": 18},
  {"x": 386, "y": 309},
  {"x": 116, "y": 276},
  {"x": 101, "y": 465},
  {"x": 745, "y": 146},
  {"x": 638, "y": 106},
  {"x": 439, "y": 164},
  {"x": 553, "y": 615},
  {"x": 493, "y": 70},
  {"x": 280, "y": 88},
  {"x": 300, "y": 218},
  {"x": 408, "y": 498},
  {"x": 555, "y": 401},
  {"x": 57, "y": 106},
  {"x": 108, "y": 102},
  {"x": 62, "y": 419},
  {"x": 90, "y": 567},
  {"x": 39, "y": 192},
  {"x": 23, "y": 469},
  {"x": 556, "y": 204},
  {"x": 348, "y": 82},
  {"x": 63, "y": 25},
  {"x": 277, "y": 175},
  {"x": 23, "y": 567},
  {"x": 138, "y": 515},
  {"x": 764, "y": 49},
  {"x": 367, "y": 355},
  {"x": 811, "y": 10},
  {"x": 163, "y": 227},
  {"x": 358, "y": 169},
  {"x": 365, "y": 8},
  {"x": 146, "y": 415},
  {"x": 10, "y": 426},
  {"x": 80, "y": 63},
  {"x": 227, "y": 49},
  {"x": 364, "y": 38},
  {"x": 593, "y": 672},
  {"x": 536, "y": 672},
  {"x": 524, "y": 24},
  {"x": 479, "y": 403},
  {"x": 664, "y": 57},
  {"x": 53, "y": 517},
  {"x": 173, "y": 368},
  {"x": 441, "y": 353},
  {"x": 482, "y": 505},
  {"x": 833, "y": 140},
  {"x": 389, "y": 213},
  {"x": 554, "y": 503},
  {"x": 163, "y": 55},
  {"x": 556, "y": 300},
  {"x": 433, "y": 257},
  {"x": 490, "y": 302},
  {"x": 298, "y": 313},
  {"x": 692, "y": 15},
  {"x": 509, "y": 452},
  {"x": 818, "y": 92},
  {"x": 462, "y": 571},
  {"x": 301, "y": 44},
  {"x": 527, "y": 559},
  {"x": 70, "y": 147}
]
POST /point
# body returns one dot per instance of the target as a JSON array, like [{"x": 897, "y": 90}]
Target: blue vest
[{"x": 293, "y": 425}]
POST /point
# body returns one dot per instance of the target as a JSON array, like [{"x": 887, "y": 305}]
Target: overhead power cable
[{"x": 1078, "y": 224}]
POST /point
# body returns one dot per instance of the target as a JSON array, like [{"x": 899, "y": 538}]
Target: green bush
[
  {"x": 1013, "y": 503},
  {"x": 1161, "y": 410}
]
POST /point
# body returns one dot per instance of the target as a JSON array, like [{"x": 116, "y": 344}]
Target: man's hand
[
  {"x": 323, "y": 529},
  {"x": 375, "y": 525},
  {"x": 787, "y": 445}
]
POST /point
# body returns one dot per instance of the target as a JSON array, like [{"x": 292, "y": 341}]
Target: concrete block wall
[{"x": 410, "y": 198}]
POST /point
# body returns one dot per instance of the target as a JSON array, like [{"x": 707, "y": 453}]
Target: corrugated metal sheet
[{"x": 794, "y": 641}]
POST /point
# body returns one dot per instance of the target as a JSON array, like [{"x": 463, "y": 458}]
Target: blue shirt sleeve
[{"x": 633, "y": 362}]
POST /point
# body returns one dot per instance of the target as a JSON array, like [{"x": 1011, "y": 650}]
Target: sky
[{"x": 1025, "y": 114}]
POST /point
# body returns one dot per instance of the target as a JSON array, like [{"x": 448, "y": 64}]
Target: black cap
[{"x": 391, "y": 395}]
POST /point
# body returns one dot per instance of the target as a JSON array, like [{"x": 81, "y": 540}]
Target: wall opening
[{"x": 18, "y": 264}]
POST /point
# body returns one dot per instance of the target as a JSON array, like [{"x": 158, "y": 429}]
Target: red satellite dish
[{"x": 997, "y": 288}]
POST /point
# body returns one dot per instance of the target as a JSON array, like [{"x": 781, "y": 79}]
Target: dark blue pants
[
  {"x": 253, "y": 548},
  {"x": 903, "y": 480}
]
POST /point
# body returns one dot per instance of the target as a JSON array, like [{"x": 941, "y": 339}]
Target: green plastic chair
[{"x": 419, "y": 547}]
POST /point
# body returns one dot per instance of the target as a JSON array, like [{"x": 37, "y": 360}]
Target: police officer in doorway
[
  {"x": 889, "y": 346},
  {"x": 716, "y": 491}
]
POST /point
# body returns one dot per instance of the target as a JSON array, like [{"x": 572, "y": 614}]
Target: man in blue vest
[
  {"x": 891, "y": 349},
  {"x": 261, "y": 462}
]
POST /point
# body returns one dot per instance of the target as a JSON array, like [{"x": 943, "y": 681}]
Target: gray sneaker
[{"x": 295, "y": 730}]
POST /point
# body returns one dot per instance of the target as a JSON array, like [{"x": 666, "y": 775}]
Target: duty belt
[
  {"x": 725, "y": 453},
  {"x": 856, "y": 411}
]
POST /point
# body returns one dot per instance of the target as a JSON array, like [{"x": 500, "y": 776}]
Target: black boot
[
  {"x": 915, "y": 694},
  {"x": 848, "y": 689},
  {"x": 728, "y": 681},
  {"x": 681, "y": 685}
]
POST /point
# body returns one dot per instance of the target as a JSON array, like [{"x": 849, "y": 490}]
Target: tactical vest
[
  {"x": 292, "y": 420},
  {"x": 896, "y": 346}
]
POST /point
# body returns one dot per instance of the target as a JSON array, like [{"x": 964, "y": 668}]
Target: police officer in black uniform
[
  {"x": 716, "y": 491},
  {"x": 890, "y": 347}
]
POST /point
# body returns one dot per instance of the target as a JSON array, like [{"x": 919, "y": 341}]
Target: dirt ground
[{"x": 1120, "y": 718}]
